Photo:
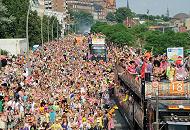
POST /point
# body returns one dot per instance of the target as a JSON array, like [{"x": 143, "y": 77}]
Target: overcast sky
[{"x": 157, "y": 7}]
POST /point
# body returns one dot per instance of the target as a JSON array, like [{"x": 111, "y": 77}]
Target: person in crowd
[
  {"x": 55, "y": 86},
  {"x": 171, "y": 72}
]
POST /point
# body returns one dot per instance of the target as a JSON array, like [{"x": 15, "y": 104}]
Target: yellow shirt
[
  {"x": 41, "y": 109},
  {"x": 56, "y": 127},
  {"x": 99, "y": 121},
  {"x": 47, "y": 117}
]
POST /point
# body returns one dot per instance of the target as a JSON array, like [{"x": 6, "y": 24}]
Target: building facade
[
  {"x": 50, "y": 8},
  {"x": 187, "y": 24},
  {"x": 181, "y": 21},
  {"x": 98, "y": 8}
]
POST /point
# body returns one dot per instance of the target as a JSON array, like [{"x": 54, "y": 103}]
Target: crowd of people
[
  {"x": 54, "y": 88},
  {"x": 153, "y": 67}
]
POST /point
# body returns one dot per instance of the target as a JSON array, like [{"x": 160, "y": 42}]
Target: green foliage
[
  {"x": 3, "y": 52},
  {"x": 152, "y": 17},
  {"x": 81, "y": 21},
  {"x": 117, "y": 34},
  {"x": 122, "y": 13},
  {"x": 82, "y": 17},
  {"x": 17, "y": 28},
  {"x": 3, "y": 14},
  {"x": 111, "y": 17},
  {"x": 98, "y": 27},
  {"x": 159, "y": 41}
]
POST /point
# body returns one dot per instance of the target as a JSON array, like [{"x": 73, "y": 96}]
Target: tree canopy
[
  {"x": 17, "y": 11},
  {"x": 111, "y": 17},
  {"x": 81, "y": 21},
  {"x": 122, "y": 13},
  {"x": 140, "y": 36}
]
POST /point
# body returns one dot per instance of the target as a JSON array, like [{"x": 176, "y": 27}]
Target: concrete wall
[{"x": 14, "y": 46}]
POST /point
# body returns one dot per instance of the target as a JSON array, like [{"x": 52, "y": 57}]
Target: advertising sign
[
  {"x": 138, "y": 114},
  {"x": 98, "y": 40},
  {"x": 98, "y": 47},
  {"x": 177, "y": 88},
  {"x": 175, "y": 54}
]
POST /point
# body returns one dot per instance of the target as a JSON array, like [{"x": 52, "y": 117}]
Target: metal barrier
[
  {"x": 129, "y": 79},
  {"x": 175, "y": 89}
]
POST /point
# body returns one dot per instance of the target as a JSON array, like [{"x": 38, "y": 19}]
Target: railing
[
  {"x": 168, "y": 90},
  {"x": 129, "y": 79}
]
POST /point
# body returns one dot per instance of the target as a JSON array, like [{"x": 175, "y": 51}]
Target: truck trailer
[
  {"x": 98, "y": 48},
  {"x": 153, "y": 105}
]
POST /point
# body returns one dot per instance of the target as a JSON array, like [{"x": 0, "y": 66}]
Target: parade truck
[
  {"x": 153, "y": 105},
  {"x": 98, "y": 48}
]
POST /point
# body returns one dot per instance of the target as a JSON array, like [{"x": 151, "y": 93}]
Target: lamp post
[
  {"x": 48, "y": 24},
  {"x": 27, "y": 18},
  {"x": 42, "y": 37},
  {"x": 48, "y": 19},
  {"x": 27, "y": 38},
  {"x": 52, "y": 28},
  {"x": 57, "y": 30}
]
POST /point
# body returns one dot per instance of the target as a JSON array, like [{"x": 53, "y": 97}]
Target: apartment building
[{"x": 98, "y": 8}]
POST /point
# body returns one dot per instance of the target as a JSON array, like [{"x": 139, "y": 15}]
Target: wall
[{"x": 14, "y": 46}]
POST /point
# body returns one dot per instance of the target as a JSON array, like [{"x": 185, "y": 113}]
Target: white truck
[{"x": 14, "y": 46}]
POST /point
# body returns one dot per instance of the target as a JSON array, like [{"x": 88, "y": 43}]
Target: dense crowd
[
  {"x": 153, "y": 67},
  {"x": 55, "y": 88}
]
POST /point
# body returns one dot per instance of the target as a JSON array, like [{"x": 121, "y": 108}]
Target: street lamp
[
  {"x": 27, "y": 18},
  {"x": 27, "y": 39},
  {"x": 49, "y": 22},
  {"x": 49, "y": 15},
  {"x": 52, "y": 28},
  {"x": 42, "y": 37}
]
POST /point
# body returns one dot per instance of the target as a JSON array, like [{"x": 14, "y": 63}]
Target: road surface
[{"x": 120, "y": 122}]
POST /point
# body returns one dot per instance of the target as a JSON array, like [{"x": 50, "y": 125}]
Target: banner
[
  {"x": 175, "y": 54},
  {"x": 98, "y": 40},
  {"x": 177, "y": 89}
]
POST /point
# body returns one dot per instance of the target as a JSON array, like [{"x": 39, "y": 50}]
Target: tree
[
  {"x": 117, "y": 34},
  {"x": 110, "y": 17},
  {"x": 3, "y": 14},
  {"x": 140, "y": 36},
  {"x": 122, "y": 13},
  {"x": 97, "y": 27},
  {"x": 17, "y": 28},
  {"x": 82, "y": 19},
  {"x": 4, "y": 19}
]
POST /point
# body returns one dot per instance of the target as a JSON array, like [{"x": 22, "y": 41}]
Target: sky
[{"x": 157, "y": 7}]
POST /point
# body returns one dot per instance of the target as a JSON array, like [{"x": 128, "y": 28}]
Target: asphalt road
[{"x": 120, "y": 122}]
